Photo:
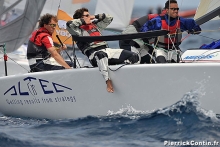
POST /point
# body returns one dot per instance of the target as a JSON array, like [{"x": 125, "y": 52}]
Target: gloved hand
[
  {"x": 100, "y": 16},
  {"x": 194, "y": 32}
]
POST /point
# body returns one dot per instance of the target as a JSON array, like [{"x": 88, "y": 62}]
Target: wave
[{"x": 182, "y": 121}]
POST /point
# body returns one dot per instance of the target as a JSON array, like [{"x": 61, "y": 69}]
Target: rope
[
  {"x": 185, "y": 37},
  {"x": 18, "y": 64},
  {"x": 66, "y": 39},
  {"x": 117, "y": 68}
]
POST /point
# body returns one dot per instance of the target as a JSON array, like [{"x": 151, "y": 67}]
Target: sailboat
[{"x": 81, "y": 92}]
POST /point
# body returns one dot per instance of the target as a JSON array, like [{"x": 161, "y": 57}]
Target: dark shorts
[{"x": 41, "y": 66}]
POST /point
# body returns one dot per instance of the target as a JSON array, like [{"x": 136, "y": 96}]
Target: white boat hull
[{"x": 82, "y": 92}]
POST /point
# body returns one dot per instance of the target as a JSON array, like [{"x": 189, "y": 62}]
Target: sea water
[{"x": 182, "y": 124}]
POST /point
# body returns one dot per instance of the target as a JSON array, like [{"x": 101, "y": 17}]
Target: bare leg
[{"x": 109, "y": 86}]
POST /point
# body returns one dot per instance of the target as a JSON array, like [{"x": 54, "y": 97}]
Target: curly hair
[
  {"x": 167, "y": 4},
  {"x": 79, "y": 13},
  {"x": 45, "y": 19}
]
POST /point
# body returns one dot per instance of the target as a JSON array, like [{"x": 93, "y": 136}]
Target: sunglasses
[
  {"x": 87, "y": 15},
  {"x": 52, "y": 25},
  {"x": 175, "y": 9}
]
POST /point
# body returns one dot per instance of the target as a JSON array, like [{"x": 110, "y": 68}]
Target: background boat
[{"x": 19, "y": 21}]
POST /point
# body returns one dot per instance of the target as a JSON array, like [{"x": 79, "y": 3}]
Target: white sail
[
  {"x": 121, "y": 10},
  {"x": 20, "y": 18},
  {"x": 51, "y": 6},
  {"x": 207, "y": 6}
]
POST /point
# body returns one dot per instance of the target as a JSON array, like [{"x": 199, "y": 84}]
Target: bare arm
[
  {"x": 59, "y": 49},
  {"x": 57, "y": 57}
]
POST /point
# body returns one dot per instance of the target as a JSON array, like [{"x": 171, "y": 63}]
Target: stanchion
[{"x": 5, "y": 58}]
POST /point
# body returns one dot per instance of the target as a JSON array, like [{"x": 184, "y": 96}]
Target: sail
[
  {"x": 69, "y": 6},
  {"x": 60, "y": 29},
  {"x": 20, "y": 18},
  {"x": 207, "y": 6},
  {"x": 121, "y": 10}
]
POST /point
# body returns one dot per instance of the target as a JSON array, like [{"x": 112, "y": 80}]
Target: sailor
[
  {"x": 143, "y": 46},
  {"x": 168, "y": 46},
  {"x": 41, "y": 47},
  {"x": 98, "y": 52}
]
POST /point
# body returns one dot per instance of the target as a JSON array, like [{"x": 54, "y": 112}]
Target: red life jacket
[
  {"x": 88, "y": 30},
  {"x": 91, "y": 29},
  {"x": 35, "y": 47},
  {"x": 175, "y": 35}
]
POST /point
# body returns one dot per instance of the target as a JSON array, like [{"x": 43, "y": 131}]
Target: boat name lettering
[
  {"x": 41, "y": 100},
  {"x": 32, "y": 86},
  {"x": 200, "y": 57}
]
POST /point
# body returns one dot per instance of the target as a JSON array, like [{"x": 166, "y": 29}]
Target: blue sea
[{"x": 182, "y": 124}]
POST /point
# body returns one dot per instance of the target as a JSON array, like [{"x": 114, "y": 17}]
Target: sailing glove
[
  {"x": 100, "y": 16},
  {"x": 194, "y": 32}
]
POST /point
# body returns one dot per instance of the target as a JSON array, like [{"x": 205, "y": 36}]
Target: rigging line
[
  {"x": 173, "y": 45},
  {"x": 176, "y": 50},
  {"x": 59, "y": 4},
  {"x": 185, "y": 37},
  {"x": 201, "y": 35},
  {"x": 154, "y": 51},
  {"x": 210, "y": 30},
  {"x": 177, "y": 24},
  {"x": 18, "y": 64},
  {"x": 168, "y": 22},
  {"x": 66, "y": 39},
  {"x": 209, "y": 38}
]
